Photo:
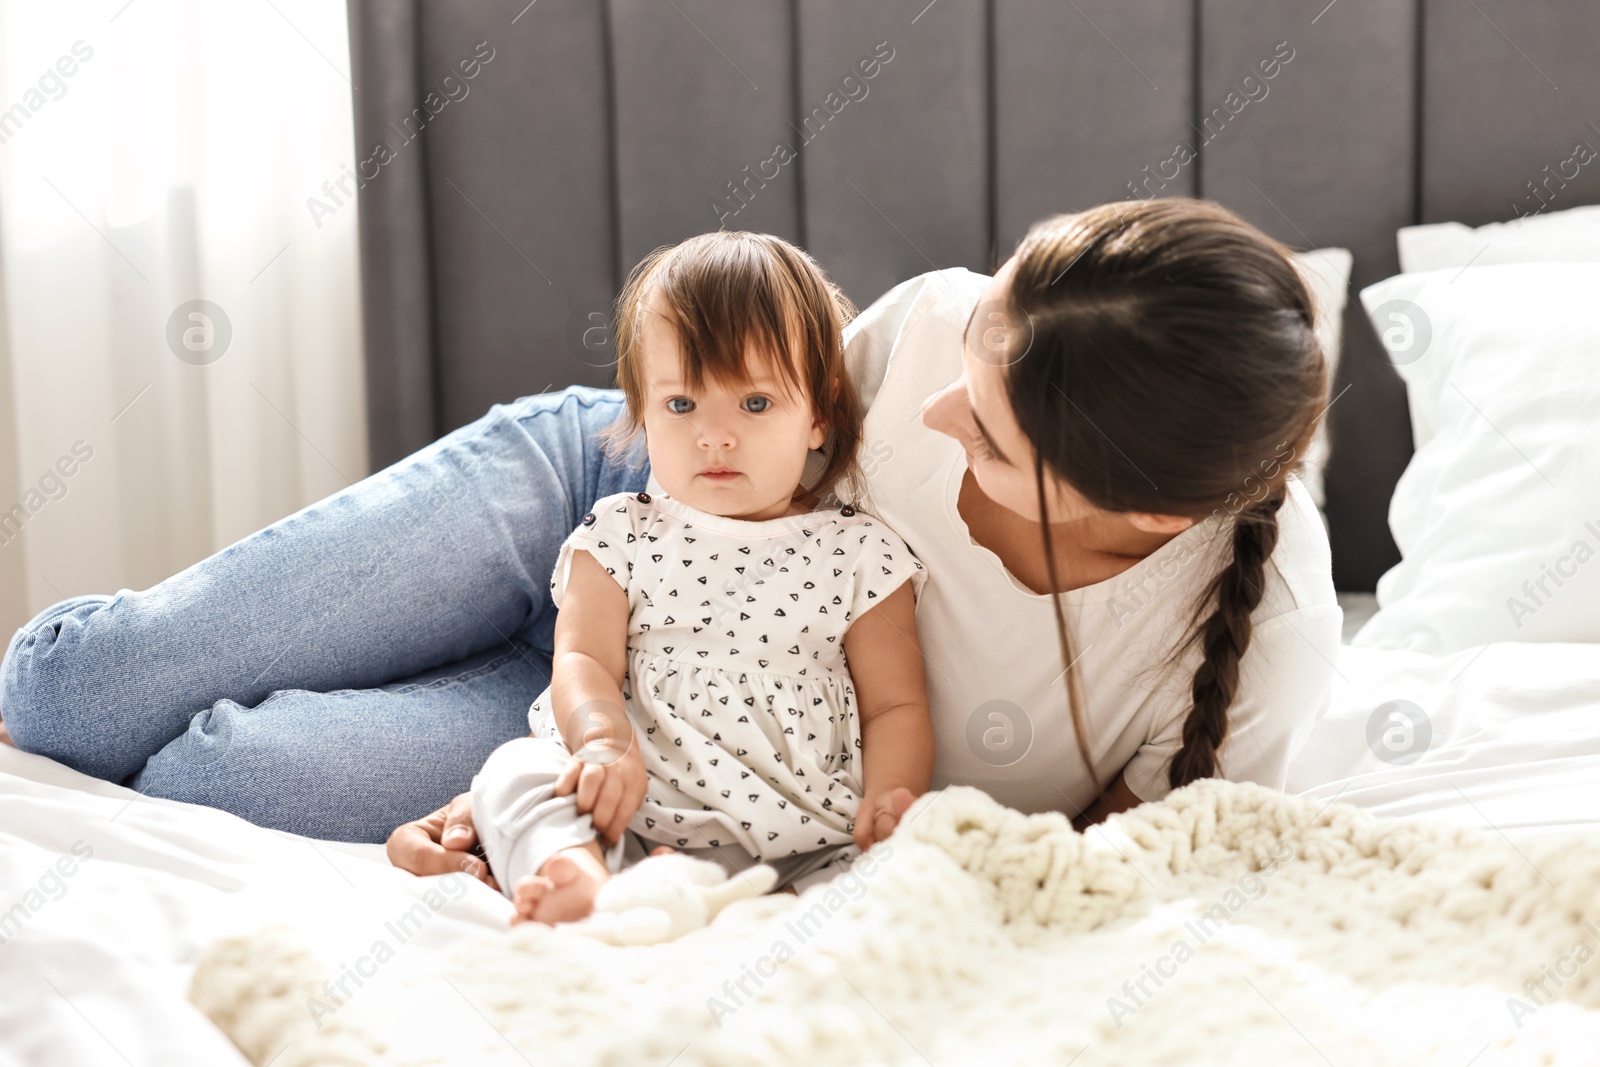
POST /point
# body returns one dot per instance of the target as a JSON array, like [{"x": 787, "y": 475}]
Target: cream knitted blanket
[{"x": 1228, "y": 923}]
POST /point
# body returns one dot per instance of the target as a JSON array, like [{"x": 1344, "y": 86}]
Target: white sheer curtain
[{"x": 155, "y": 153}]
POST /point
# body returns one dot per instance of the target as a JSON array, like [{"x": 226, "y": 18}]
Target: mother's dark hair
[{"x": 1172, "y": 369}]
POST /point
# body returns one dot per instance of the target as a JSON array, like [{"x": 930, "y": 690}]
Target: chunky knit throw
[{"x": 1228, "y": 923}]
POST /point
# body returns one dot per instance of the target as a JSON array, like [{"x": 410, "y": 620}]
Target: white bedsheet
[
  {"x": 98, "y": 970},
  {"x": 94, "y": 966},
  {"x": 1515, "y": 737}
]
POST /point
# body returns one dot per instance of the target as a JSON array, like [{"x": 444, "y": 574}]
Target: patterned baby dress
[{"x": 736, "y": 684}]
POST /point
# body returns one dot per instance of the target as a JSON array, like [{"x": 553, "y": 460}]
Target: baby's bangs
[{"x": 730, "y": 299}]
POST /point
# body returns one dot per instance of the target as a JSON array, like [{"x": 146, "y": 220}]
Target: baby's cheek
[
  {"x": 785, "y": 455},
  {"x": 672, "y": 459}
]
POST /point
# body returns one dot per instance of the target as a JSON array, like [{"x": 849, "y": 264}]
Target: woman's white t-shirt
[{"x": 996, "y": 688}]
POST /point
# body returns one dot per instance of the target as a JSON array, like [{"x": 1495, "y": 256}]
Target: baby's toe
[{"x": 531, "y": 889}]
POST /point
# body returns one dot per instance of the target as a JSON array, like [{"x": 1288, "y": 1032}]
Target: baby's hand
[
  {"x": 879, "y": 814},
  {"x": 609, "y": 790}
]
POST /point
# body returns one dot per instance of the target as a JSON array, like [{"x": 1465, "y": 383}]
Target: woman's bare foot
[{"x": 565, "y": 888}]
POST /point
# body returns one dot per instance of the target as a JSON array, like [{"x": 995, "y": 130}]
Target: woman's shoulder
[
  {"x": 934, "y": 285},
  {"x": 1298, "y": 576},
  {"x": 1286, "y": 674},
  {"x": 928, "y": 301},
  {"x": 1301, "y": 565}
]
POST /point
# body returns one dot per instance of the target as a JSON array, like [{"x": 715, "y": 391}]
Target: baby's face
[{"x": 733, "y": 449}]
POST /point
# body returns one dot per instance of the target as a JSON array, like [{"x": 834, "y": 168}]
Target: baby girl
[{"x": 736, "y": 672}]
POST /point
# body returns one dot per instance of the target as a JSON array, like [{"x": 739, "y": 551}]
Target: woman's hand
[
  {"x": 879, "y": 814},
  {"x": 1118, "y": 797},
  {"x": 439, "y": 843},
  {"x": 609, "y": 790}
]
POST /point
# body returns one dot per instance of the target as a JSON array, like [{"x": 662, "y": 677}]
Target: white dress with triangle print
[{"x": 736, "y": 683}]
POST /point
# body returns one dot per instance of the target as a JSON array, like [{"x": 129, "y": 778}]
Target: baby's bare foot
[{"x": 565, "y": 888}]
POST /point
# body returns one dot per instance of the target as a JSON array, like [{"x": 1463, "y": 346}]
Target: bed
[
  {"x": 1389, "y": 115},
  {"x": 98, "y": 965},
  {"x": 108, "y": 900}
]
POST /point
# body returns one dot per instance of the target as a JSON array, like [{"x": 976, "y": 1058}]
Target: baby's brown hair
[{"x": 729, "y": 292}]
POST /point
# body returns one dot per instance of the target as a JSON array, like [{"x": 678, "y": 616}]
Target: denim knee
[
  {"x": 34, "y": 640},
  {"x": 592, "y": 410}
]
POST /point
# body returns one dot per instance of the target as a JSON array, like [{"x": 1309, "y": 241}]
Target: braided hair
[
  {"x": 1224, "y": 637},
  {"x": 1171, "y": 368}
]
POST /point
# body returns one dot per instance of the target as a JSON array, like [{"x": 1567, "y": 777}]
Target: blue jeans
[{"x": 351, "y": 666}]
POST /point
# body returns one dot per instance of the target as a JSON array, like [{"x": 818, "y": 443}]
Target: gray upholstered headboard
[{"x": 591, "y": 131}]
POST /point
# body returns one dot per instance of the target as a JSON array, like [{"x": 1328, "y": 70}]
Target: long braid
[{"x": 1225, "y": 636}]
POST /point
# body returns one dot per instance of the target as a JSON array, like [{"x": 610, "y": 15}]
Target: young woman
[{"x": 1091, "y": 453}]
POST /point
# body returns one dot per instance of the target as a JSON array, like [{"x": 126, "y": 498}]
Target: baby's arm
[
  {"x": 886, "y": 666},
  {"x": 590, "y": 658}
]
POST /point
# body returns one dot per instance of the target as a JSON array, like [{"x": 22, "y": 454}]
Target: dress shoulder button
[
  {"x": 588, "y": 520},
  {"x": 644, "y": 498},
  {"x": 847, "y": 511}
]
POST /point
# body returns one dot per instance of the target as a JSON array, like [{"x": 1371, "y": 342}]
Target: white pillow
[
  {"x": 1573, "y": 234},
  {"x": 1326, "y": 272},
  {"x": 1498, "y": 514}
]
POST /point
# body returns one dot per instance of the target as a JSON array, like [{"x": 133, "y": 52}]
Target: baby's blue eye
[
  {"x": 672, "y": 405},
  {"x": 761, "y": 400}
]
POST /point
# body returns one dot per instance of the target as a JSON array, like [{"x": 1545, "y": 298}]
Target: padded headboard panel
[{"x": 600, "y": 130}]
